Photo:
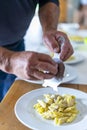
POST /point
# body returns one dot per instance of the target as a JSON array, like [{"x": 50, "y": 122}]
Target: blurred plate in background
[{"x": 75, "y": 58}]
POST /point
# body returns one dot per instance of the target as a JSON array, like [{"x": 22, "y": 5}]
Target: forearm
[
  {"x": 5, "y": 56},
  {"x": 49, "y": 15}
]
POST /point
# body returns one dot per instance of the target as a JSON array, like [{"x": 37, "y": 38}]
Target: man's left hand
[{"x": 52, "y": 41}]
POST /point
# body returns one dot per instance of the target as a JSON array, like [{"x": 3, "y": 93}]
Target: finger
[
  {"x": 66, "y": 52},
  {"x": 29, "y": 75},
  {"x": 66, "y": 49},
  {"x": 61, "y": 41},
  {"x": 45, "y": 66},
  {"x": 46, "y": 58},
  {"x": 31, "y": 78},
  {"x": 52, "y": 44},
  {"x": 61, "y": 69},
  {"x": 67, "y": 55},
  {"x": 40, "y": 75}
]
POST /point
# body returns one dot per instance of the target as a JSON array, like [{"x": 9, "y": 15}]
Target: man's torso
[{"x": 15, "y": 16}]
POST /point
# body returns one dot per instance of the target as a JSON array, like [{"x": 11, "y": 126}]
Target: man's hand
[
  {"x": 49, "y": 15},
  {"x": 32, "y": 65},
  {"x": 29, "y": 65},
  {"x": 61, "y": 68},
  {"x": 52, "y": 41}
]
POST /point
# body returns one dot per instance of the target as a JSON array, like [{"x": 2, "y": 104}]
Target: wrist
[
  {"x": 49, "y": 19},
  {"x": 49, "y": 29},
  {"x": 5, "y": 60}
]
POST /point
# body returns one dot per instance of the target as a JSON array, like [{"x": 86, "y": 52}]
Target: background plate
[
  {"x": 27, "y": 115},
  {"x": 77, "y": 59}
]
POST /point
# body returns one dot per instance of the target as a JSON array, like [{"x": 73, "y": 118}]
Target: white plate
[
  {"x": 70, "y": 74},
  {"x": 68, "y": 27},
  {"x": 28, "y": 116},
  {"x": 77, "y": 59}
]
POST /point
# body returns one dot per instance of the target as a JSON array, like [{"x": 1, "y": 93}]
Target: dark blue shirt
[{"x": 15, "y": 17}]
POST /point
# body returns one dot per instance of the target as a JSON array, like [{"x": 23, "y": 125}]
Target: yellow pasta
[
  {"x": 71, "y": 58},
  {"x": 60, "y": 109}
]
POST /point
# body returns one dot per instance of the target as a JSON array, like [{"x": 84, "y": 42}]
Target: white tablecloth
[{"x": 81, "y": 69}]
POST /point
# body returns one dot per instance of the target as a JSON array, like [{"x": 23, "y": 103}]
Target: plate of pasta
[{"x": 44, "y": 109}]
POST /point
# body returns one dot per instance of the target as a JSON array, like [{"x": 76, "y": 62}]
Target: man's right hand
[{"x": 32, "y": 65}]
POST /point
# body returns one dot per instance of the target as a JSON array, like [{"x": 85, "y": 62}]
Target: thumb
[{"x": 56, "y": 47}]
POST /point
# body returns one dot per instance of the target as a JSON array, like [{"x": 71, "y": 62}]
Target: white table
[{"x": 81, "y": 69}]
